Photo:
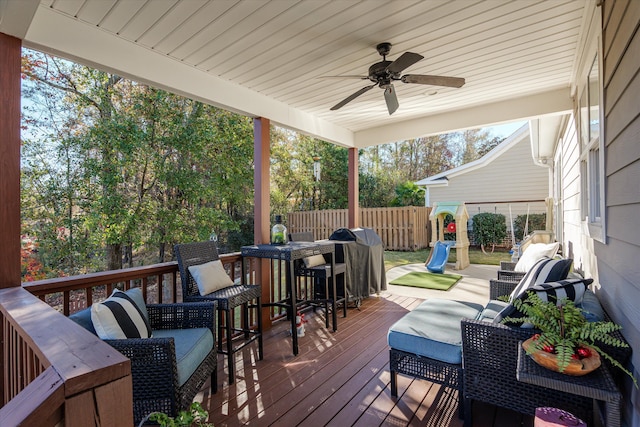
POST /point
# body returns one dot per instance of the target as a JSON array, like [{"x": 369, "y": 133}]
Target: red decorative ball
[{"x": 451, "y": 227}]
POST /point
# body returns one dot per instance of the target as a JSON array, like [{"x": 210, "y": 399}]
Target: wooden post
[
  {"x": 261, "y": 178},
  {"x": 354, "y": 193},
  {"x": 10, "y": 51}
]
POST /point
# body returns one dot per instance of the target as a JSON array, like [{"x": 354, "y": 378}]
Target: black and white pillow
[
  {"x": 119, "y": 317},
  {"x": 571, "y": 289},
  {"x": 544, "y": 271}
]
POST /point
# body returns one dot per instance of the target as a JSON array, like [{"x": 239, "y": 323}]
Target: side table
[
  {"x": 289, "y": 253},
  {"x": 597, "y": 385}
]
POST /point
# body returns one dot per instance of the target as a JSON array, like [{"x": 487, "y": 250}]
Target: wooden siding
[
  {"x": 511, "y": 177},
  {"x": 617, "y": 261},
  {"x": 401, "y": 229}
]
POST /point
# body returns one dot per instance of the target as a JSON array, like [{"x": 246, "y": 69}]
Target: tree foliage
[{"x": 112, "y": 167}]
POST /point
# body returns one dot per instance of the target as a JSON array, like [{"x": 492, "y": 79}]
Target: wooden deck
[{"x": 338, "y": 379}]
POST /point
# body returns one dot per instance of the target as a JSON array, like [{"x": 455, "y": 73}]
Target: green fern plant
[
  {"x": 195, "y": 416},
  {"x": 564, "y": 330}
]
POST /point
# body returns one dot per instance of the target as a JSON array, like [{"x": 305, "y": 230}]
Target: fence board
[{"x": 401, "y": 229}]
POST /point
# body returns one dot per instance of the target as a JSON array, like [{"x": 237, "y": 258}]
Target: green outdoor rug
[{"x": 423, "y": 279}]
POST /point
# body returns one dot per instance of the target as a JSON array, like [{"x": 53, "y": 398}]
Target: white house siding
[
  {"x": 511, "y": 177},
  {"x": 614, "y": 264}
]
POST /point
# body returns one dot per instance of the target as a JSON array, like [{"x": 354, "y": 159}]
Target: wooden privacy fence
[{"x": 401, "y": 229}]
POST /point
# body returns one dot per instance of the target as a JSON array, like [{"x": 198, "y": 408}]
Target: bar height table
[
  {"x": 597, "y": 385},
  {"x": 289, "y": 253}
]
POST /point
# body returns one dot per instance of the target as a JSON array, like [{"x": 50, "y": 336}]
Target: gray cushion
[
  {"x": 192, "y": 346},
  {"x": 433, "y": 329},
  {"x": 83, "y": 318},
  {"x": 492, "y": 309}
]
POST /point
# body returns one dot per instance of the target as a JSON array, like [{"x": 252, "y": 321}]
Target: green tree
[{"x": 408, "y": 194}]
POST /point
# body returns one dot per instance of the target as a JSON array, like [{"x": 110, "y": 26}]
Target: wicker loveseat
[
  {"x": 169, "y": 368},
  {"x": 490, "y": 352}
]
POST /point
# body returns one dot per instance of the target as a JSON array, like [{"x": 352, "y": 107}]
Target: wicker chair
[
  {"x": 507, "y": 272},
  {"x": 489, "y": 365},
  {"x": 154, "y": 367},
  {"x": 320, "y": 275},
  {"x": 190, "y": 254}
]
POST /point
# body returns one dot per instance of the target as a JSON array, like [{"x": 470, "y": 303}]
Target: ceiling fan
[{"x": 383, "y": 73}]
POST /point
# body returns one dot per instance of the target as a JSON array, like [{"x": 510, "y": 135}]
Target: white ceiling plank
[
  {"x": 69, "y": 7},
  {"x": 120, "y": 14},
  {"x": 203, "y": 41},
  {"x": 94, "y": 11},
  {"x": 171, "y": 21},
  {"x": 145, "y": 18},
  {"x": 15, "y": 17}
]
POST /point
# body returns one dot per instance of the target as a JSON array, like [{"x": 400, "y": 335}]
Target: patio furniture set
[
  {"x": 173, "y": 347},
  {"x": 467, "y": 347}
]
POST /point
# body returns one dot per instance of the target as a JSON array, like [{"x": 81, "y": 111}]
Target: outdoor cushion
[
  {"x": 591, "y": 307},
  {"x": 492, "y": 309},
  {"x": 545, "y": 270},
  {"x": 433, "y": 329},
  {"x": 210, "y": 277},
  {"x": 192, "y": 346},
  {"x": 535, "y": 252},
  {"x": 119, "y": 317},
  {"x": 573, "y": 289},
  {"x": 314, "y": 261}
]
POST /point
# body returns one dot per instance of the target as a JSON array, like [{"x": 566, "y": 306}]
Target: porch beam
[
  {"x": 354, "y": 192},
  {"x": 262, "y": 202},
  {"x": 10, "y": 50}
]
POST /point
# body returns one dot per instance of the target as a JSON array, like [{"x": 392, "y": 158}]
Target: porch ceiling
[{"x": 266, "y": 59}]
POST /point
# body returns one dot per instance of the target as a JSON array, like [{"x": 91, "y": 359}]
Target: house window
[{"x": 592, "y": 153}]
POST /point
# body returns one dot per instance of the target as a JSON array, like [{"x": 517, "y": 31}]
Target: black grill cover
[{"x": 364, "y": 258}]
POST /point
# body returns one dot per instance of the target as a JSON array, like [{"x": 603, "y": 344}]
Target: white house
[{"x": 506, "y": 180}]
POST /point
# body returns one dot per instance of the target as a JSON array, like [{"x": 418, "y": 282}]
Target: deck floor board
[{"x": 338, "y": 379}]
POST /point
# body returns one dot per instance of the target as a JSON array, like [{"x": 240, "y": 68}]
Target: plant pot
[{"x": 576, "y": 367}]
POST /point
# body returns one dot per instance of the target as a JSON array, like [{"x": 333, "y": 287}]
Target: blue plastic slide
[{"x": 439, "y": 257}]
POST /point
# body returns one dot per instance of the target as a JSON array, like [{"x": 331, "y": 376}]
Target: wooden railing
[
  {"x": 401, "y": 229},
  {"x": 52, "y": 366},
  {"x": 53, "y": 369}
]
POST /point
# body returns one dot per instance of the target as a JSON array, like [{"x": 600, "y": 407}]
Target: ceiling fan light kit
[{"x": 383, "y": 74}]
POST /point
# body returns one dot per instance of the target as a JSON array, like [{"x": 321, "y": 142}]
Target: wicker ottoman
[{"x": 426, "y": 343}]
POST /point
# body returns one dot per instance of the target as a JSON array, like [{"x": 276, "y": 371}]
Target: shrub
[
  {"x": 536, "y": 222},
  {"x": 489, "y": 229}
]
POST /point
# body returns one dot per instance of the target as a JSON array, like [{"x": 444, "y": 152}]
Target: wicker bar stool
[{"x": 192, "y": 254}]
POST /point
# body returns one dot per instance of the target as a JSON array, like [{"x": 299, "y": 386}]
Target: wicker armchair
[
  {"x": 190, "y": 254},
  {"x": 154, "y": 366},
  {"x": 489, "y": 364},
  {"x": 507, "y": 272}
]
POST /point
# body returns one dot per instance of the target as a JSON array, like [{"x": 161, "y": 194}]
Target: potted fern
[{"x": 567, "y": 342}]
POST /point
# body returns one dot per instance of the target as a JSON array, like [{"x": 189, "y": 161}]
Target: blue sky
[{"x": 506, "y": 129}]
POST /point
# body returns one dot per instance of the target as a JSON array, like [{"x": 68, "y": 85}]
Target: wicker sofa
[{"x": 490, "y": 352}]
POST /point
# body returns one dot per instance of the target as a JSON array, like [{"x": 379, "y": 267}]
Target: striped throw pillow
[
  {"x": 119, "y": 317},
  {"x": 545, "y": 270},
  {"x": 572, "y": 289}
]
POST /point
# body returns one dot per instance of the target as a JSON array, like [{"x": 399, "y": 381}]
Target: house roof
[
  {"x": 443, "y": 177},
  {"x": 268, "y": 58}
]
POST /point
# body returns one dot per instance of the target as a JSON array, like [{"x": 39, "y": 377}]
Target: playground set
[{"x": 440, "y": 247}]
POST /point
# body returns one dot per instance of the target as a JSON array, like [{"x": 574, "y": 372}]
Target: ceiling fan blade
[
  {"x": 350, "y": 76},
  {"x": 433, "y": 80},
  {"x": 352, "y": 97},
  {"x": 405, "y": 60},
  {"x": 391, "y": 98}
]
